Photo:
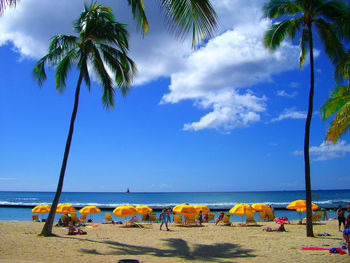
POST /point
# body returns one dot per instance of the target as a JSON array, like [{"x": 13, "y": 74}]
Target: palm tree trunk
[
  {"x": 47, "y": 229},
  {"x": 309, "y": 228}
]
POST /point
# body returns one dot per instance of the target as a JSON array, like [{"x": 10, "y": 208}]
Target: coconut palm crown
[
  {"x": 299, "y": 18},
  {"x": 183, "y": 17},
  {"x": 101, "y": 42}
]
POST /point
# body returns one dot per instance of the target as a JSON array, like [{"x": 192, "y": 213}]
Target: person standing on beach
[
  {"x": 325, "y": 214},
  {"x": 163, "y": 219},
  {"x": 168, "y": 218},
  {"x": 200, "y": 217},
  {"x": 341, "y": 217},
  {"x": 346, "y": 232}
]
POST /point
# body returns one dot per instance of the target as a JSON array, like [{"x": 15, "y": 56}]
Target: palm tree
[
  {"x": 300, "y": 16},
  {"x": 101, "y": 42},
  {"x": 339, "y": 102},
  {"x": 5, "y": 3},
  {"x": 183, "y": 16}
]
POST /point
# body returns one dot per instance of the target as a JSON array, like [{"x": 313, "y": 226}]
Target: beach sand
[{"x": 19, "y": 242}]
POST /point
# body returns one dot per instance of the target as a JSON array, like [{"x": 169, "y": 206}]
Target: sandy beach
[{"x": 109, "y": 243}]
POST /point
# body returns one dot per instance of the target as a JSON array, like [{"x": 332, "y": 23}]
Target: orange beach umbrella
[
  {"x": 242, "y": 209},
  {"x": 143, "y": 209},
  {"x": 300, "y": 204},
  {"x": 202, "y": 208},
  {"x": 125, "y": 210},
  {"x": 65, "y": 209},
  {"x": 39, "y": 209},
  {"x": 185, "y": 209},
  {"x": 90, "y": 209},
  {"x": 261, "y": 207}
]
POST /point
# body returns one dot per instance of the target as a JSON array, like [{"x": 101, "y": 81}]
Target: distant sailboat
[{"x": 127, "y": 190}]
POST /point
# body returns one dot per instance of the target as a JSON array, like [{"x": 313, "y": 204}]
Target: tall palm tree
[
  {"x": 339, "y": 102},
  {"x": 183, "y": 16},
  {"x": 101, "y": 42},
  {"x": 6, "y": 3},
  {"x": 300, "y": 16}
]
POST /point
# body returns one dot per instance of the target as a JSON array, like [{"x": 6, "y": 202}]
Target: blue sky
[{"x": 229, "y": 116}]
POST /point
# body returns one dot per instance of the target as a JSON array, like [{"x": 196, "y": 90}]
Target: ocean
[{"x": 17, "y": 205}]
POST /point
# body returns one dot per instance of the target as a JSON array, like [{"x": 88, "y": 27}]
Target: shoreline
[{"x": 156, "y": 209}]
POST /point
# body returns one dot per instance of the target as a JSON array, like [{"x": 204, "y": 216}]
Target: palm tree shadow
[{"x": 178, "y": 248}]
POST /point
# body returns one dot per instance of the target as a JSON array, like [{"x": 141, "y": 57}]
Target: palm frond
[
  {"x": 7, "y": 3},
  {"x": 278, "y": 8},
  {"x": 340, "y": 96},
  {"x": 332, "y": 45},
  {"x": 340, "y": 125},
  {"x": 122, "y": 66},
  {"x": 105, "y": 79},
  {"x": 138, "y": 12},
  {"x": 331, "y": 10},
  {"x": 62, "y": 70},
  {"x": 39, "y": 71},
  {"x": 197, "y": 16},
  {"x": 277, "y": 33},
  {"x": 303, "y": 45},
  {"x": 343, "y": 25},
  {"x": 342, "y": 70},
  {"x": 83, "y": 67}
]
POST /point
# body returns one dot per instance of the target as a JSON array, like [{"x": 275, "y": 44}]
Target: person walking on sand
[
  {"x": 325, "y": 214},
  {"x": 341, "y": 217},
  {"x": 346, "y": 232},
  {"x": 168, "y": 218},
  {"x": 200, "y": 217},
  {"x": 163, "y": 219}
]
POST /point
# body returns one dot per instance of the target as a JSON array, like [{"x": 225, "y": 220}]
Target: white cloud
[
  {"x": 327, "y": 151},
  {"x": 294, "y": 85},
  {"x": 290, "y": 114},
  {"x": 230, "y": 110},
  {"x": 219, "y": 74},
  {"x": 283, "y": 93},
  {"x": 216, "y": 77}
]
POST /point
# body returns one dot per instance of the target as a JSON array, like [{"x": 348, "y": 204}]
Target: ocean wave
[
  {"x": 211, "y": 205},
  {"x": 26, "y": 198}
]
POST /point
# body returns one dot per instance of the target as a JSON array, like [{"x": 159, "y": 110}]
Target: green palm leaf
[
  {"x": 5, "y": 3},
  {"x": 184, "y": 16}
]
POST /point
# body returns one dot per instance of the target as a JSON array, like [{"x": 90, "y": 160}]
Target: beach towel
[
  {"x": 315, "y": 248},
  {"x": 337, "y": 250},
  {"x": 323, "y": 234}
]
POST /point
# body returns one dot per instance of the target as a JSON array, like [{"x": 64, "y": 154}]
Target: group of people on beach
[{"x": 346, "y": 224}]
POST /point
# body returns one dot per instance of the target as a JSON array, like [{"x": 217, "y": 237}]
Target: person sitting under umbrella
[
  {"x": 221, "y": 216},
  {"x": 73, "y": 231}
]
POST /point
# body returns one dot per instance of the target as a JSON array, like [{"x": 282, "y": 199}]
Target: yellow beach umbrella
[
  {"x": 125, "y": 210},
  {"x": 185, "y": 209},
  {"x": 90, "y": 209},
  {"x": 300, "y": 204},
  {"x": 242, "y": 209},
  {"x": 39, "y": 209},
  {"x": 202, "y": 208},
  {"x": 143, "y": 209},
  {"x": 261, "y": 207},
  {"x": 65, "y": 209}
]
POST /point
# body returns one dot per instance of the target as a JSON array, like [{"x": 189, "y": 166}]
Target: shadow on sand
[{"x": 177, "y": 248}]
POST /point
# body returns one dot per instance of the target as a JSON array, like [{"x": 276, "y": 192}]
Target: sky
[{"x": 228, "y": 116}]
